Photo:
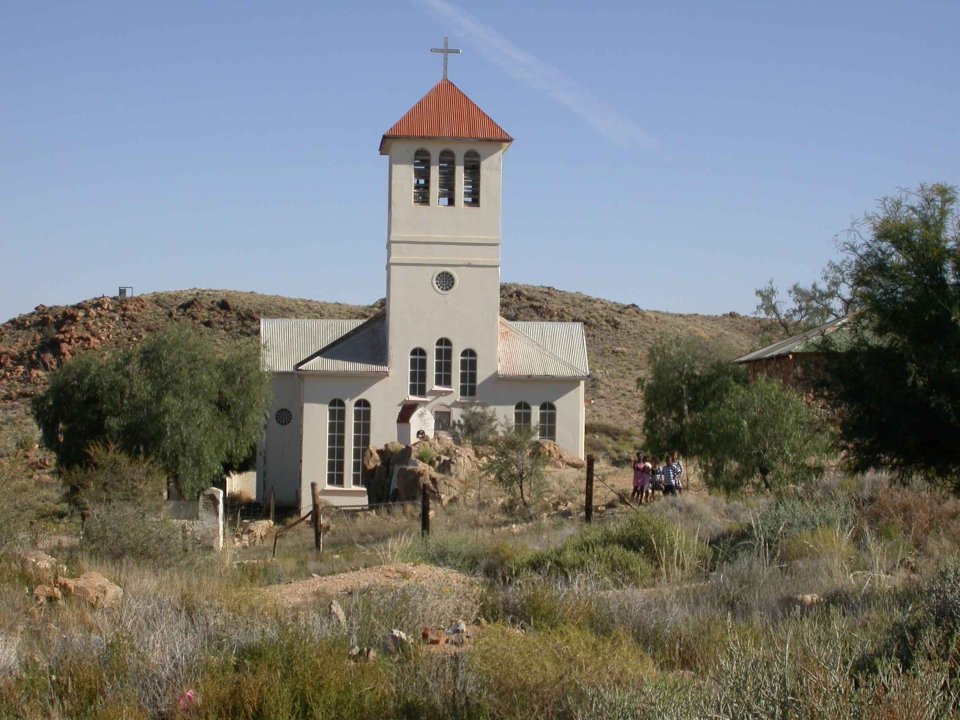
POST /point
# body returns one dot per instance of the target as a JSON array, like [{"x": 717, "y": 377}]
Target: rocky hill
[{"x": 618, "y": 335}]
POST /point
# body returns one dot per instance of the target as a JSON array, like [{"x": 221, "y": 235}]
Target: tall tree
[
  {"x": 194, "y": 408},
  {"x": 761, "y": 431},
  {"x": 686, "y": 374},
  {"x": 899, "y": 382}
]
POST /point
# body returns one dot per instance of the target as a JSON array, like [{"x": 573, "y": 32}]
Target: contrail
[{"x": 537, "y": 74}]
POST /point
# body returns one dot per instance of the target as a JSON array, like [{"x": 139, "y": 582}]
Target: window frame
[
  {"x": 417, "y": 380},
  {"x": 336, "y": 442},
  {"x": 471, "y": 179},
  {"x": 443, "y": 363},
  {"x": 361, "y": 438},
  {"x": 519, "y": 410},
  {"x": 421, "y": 177},
  {"x": 447, "y": 179},
  {"x": 468, "y": 373},
  {"x": 547, "y": 425}
]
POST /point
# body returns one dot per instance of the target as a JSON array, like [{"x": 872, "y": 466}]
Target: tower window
[
  {"x": 471, "y": 179},
  {"x": 443, "y": 364},
  {"x": 336, "y": 432},
  {"x": 421, "y": 177},
  {"x": 361, "y": 437},
  {"x": 447, "y": 177},
  {"x": 468, "y": 374},
  {"x": 548, "y": 421},
  {"x": 418, "y": 372},
  {"x": 522, "y": 414}
]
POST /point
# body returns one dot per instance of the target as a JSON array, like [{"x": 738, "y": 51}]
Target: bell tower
[{"x": 443, "y": 227}]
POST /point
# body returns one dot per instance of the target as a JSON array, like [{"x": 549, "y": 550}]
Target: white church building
[{"x": 440, "y": 345}]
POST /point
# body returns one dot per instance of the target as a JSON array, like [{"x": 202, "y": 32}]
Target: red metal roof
[{"x": 445, "y": 112}]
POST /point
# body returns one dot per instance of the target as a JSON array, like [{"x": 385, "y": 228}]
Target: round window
[
  {"x": 444, "y": 281},
  {"x": 283, "y": 416}
]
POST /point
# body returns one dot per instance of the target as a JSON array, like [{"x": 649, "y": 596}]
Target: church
[{"x": 440, "y": 345}]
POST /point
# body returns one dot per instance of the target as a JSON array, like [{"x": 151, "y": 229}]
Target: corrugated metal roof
[
  {"x": 363, "y": 349},
  {"x": 445, "y": 112},
  {"x": 286, "y": 343},
  {"x": 542, "y": 349},
  {"x": 839, "y": 330}
]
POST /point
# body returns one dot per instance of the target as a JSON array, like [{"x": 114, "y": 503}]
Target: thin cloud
[{"x": 540, "y": 76}]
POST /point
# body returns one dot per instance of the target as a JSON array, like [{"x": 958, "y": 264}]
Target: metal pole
[
  {"x": 271, "y": 504},
  {"x": 588, "y": 500}
]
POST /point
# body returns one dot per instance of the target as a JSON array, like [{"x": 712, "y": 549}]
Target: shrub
[
  {"x": 763, "y": 429},
  {"x": 629, "y": 551},
  {"x": 478, "y": 425},
  {"x": 119, "y": 532},
  {"x": 113, "y": 477},
  {"x": 542, "y": 674},
  {"x": 516, "y": 465}
]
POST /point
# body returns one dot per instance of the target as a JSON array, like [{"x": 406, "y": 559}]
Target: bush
[
  {"x": 541, "y": 674},
  {"x": 119, "y": 532},
  {"x": 478, "y": 425},
  {"x": 630, "y": 551},
  {"x": 112, "y": 477},
  {"x": 761, "y": 430}
]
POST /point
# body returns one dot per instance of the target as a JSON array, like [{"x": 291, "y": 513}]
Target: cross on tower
[{"x": 446, "y": 51}]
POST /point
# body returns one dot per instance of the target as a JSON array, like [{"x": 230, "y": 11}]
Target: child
[{"x": 656, "y": 483}]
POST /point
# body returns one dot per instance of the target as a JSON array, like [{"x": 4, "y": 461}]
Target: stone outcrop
[
  {"x": 93, "y": 588},
  {"x": 40, "y": 567}
]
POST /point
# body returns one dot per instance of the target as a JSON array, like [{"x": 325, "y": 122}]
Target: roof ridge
[{"x": 577, "y": 371}]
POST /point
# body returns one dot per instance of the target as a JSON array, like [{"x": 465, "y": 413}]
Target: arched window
[
  {"x": 336, "y": 431},
  {"x": 447, "y": 179},
  {"x": 468, "y": 374},
  {"x": 443, "y": 364},
  {"x": 421, "y": 177},
  {"x": 471, "y": 179},
  {"x": 522, "y": 415},
  {"x": 548, "y": 421},
  {"x": 361, "y": 437},
  {"x": 418, "y": 372}
]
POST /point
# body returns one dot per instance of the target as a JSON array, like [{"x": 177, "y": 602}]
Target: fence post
[
  {"x": 315, "y": 494},
  {"x": 424, "y": 511},
  {"x": 588, "y": 500},
  {"x": 271, "y": 505}
]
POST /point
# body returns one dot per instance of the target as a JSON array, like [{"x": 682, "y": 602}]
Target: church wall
[
  {"x": 567, "y": 395},
  {"x": 318, "y": 392},
  {"x": 280, "y": 466},
  {"x": 420, "y": 315}
]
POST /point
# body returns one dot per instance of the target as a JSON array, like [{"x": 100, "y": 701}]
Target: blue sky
[{"x": 674, "y": 155}]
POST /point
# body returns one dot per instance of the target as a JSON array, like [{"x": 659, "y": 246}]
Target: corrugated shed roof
[
  {"x": 286, "y": 343},
  {"x": 363, "y": 349},
  {"x": 839, "y": 330},
  {"x": 445, "y": 112},
  {"x": 542, "y": 349}
]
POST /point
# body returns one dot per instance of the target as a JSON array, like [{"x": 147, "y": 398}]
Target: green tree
[
  {"x": 898, "y": 381},
  {"x": 760, "y": 431},
  {"x": 515, "y": 464},
  {"x": 685, "y": 375},
  {"x": 192, "y": 407}
]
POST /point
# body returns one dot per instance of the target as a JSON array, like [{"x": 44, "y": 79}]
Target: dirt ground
[{"x": 382, "y": 576}]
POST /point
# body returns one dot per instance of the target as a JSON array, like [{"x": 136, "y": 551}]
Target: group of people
[{"x": 650, "y": 476}]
